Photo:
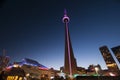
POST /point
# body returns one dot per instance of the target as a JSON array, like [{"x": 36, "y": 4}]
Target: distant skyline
[{"x": 34, "y": 29}]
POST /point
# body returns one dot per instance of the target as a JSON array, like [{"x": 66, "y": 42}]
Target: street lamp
[{"x": 97, "y": 70}]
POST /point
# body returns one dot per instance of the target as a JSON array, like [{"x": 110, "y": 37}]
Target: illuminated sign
[{"x": 14, "y": 78}]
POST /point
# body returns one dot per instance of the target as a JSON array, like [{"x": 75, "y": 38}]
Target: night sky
[{"x": 34, "y": 29}]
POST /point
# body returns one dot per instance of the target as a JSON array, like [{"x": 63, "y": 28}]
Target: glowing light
[
  {"x": 27, "y": 74},
  {"x": 84, "y": 74},
  {"x": 9, "y": 68},
  {"x": 95, "y": 74},
  {"x": 42, "y": 68},
  {"x": 15, "y": 65},
  {"x": 96, "y": 69},
  {"x": 111, "y": 74},
  {"x": 51, "y": 77},
  {"x": 111, "y": 65},
  {"x": 14, "y": 78},
  {"x": 65, "y": 17},
  {"x": 75, "y": 75}
]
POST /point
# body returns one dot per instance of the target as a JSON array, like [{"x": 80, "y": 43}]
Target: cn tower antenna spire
[
  {"x": 65, "y": 18},
  {"x": 4, "y": 52},
  {"x": 70, "y": 66},
  {"x": 65, "y": 12}
]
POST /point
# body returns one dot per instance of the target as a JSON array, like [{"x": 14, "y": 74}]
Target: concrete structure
[{"x": 70, "y": 66}]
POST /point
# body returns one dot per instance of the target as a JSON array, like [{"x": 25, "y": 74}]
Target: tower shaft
[{"x": 70, "y": 66}]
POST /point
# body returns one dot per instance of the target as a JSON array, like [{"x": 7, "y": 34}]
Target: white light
[
  {"x": 96, "y": 69},
  {"x": 15, "y": 65},
  {"x": 111, "y": 74},
  {"x": 51, "y": 77},
  {"x": 27, "y": 74}
]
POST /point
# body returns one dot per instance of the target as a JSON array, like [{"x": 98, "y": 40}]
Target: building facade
[
  {"x": 109, "y": 60},
  {"x": 32, "y": 69},
  {"x": 116, "y": 51},
  {"x": 4, "y": 60}
]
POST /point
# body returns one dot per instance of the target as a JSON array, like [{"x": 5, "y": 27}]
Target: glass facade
[
  {"x": 116, "y": 51},
  {"x": 109, "y": 60}
]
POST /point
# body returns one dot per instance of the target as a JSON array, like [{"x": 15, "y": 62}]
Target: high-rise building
[
  {"x": 116, "y": 51},
  {"x": 109, "y": 60},
  {"x": 70, "y": 65},
  {"x": 4, "y": 60}
]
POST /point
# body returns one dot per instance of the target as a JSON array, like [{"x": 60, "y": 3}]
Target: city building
[
  {"x": 4, "y": 60},
  {"x": 32, "y": 69},
  {"x": 109, "y": 60},
  {"x": 70, "y": 65},
  {"x": 116, "y": 51},
  {"x": 81, "y": 70},
  {"x": 13, "y": 73},
  {"x": 94, "y": 70}
]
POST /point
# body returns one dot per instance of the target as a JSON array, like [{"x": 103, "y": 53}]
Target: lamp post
[{"x": 97, "y": 70}]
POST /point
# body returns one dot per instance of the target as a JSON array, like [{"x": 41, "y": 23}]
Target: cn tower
[{"x": 70, "y": 66}]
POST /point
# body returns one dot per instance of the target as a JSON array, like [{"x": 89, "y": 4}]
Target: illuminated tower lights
[
  {"x": 70, "y": 66},
  {"x": 66, "y": 20}
]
